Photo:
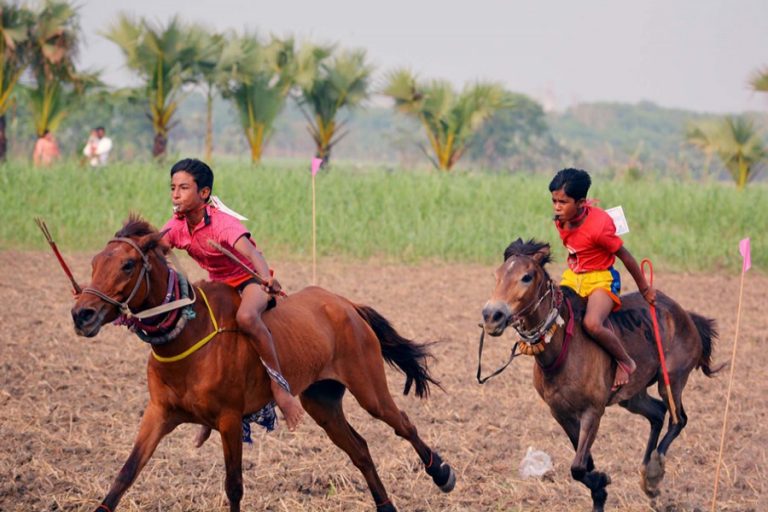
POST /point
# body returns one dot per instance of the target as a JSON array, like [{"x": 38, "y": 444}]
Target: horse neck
[
  {"x": 553, "y": 350},
  {"x": 158, "y": 279}
]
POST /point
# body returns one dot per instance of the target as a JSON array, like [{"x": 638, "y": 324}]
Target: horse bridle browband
[{"x": 144, "y": 273}]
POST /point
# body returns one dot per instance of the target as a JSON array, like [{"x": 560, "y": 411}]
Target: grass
[{"x": 389, "y": 215}]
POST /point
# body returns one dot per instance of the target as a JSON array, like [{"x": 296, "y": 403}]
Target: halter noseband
[{"x": 144, "y": 273}]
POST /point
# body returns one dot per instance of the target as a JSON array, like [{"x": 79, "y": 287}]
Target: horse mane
[
  {"x": 529, "y": 248},
  {"x": 135, "y": 226}
]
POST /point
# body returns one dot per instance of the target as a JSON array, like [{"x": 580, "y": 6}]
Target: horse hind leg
[
  {"x": 373, "y": 395},
  {"x": 323, "y": 402},
  {"x": 653, "y": 410}
]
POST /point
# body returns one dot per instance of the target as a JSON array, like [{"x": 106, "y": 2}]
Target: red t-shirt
[
  {"x": 222, "y": 229},
  {"x": 593, "y": 244}
]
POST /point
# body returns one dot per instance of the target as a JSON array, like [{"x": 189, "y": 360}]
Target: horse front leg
[
  {"x": 582, "y": 468},
  {"x": 155, "y": 424},
  {"x": 231, "y": 428}
]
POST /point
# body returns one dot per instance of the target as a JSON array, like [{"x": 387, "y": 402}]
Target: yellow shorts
[{"x": 587, "y": 282}]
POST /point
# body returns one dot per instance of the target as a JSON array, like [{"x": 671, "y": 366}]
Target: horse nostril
[
  {"x": 83, "y": 316},
  {"x": 497, "y": 316}
]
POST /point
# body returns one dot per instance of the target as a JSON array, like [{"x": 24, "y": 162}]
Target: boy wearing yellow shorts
[{"x": 589, "y": 235}]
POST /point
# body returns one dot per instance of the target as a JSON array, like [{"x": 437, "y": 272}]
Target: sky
[{"x": 691, "y": 54}]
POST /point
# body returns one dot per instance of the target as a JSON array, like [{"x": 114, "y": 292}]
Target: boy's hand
[
  {"x": 272, "y": 286},
  {"x": 649, "y": 294}
]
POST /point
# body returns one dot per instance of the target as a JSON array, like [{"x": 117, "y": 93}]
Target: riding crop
[
  {"x": 41, "y": 224},
  {"x": 662, "y": 359},
  {"x": 259, "y": 280}
]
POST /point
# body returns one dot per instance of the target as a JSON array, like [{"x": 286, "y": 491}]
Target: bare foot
[
  {"x": 623, "y": 372},
  {"x": 290, "y": 407},
  {"x": 202, "y": 436}
]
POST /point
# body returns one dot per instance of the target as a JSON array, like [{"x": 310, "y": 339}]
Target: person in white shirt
[{"x": 98, "y": 147}]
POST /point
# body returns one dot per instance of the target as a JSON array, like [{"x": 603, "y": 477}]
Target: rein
[{"x": 512, "y": 355}]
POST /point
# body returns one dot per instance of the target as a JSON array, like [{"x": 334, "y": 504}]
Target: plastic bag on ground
[{"x": 536, "y": 463}]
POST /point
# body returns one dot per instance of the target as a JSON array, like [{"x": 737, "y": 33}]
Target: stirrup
[{"x": 277, "y": 377}]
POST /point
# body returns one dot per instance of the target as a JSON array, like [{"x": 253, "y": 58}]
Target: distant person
[
  {"x": 46, "y": 150},
  {"x": 97, "y": 148}
]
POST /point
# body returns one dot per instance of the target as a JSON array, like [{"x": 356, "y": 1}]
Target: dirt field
[{"x": 71, "y": 406}]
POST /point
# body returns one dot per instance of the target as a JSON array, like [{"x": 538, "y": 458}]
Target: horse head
[
  {"x": 121, "y": 278},
  {"x": 521, "y": 282}
]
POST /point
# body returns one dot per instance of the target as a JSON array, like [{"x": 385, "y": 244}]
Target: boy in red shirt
[
  {"x": 593, "y": 246},
  {"x": 195, "y": 221}
]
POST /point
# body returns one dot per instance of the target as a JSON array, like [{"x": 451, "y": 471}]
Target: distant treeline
[{"x": 605, "y": 137}]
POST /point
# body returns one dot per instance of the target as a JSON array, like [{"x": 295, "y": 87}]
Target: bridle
[
  {"x": 143, "y": 273},
  {"x": 542, "y": 332}
]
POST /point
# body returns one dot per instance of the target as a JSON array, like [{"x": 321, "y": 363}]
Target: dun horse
[
  {"x": 202, "y": 370},
  {"x": 573, "y": 375}
]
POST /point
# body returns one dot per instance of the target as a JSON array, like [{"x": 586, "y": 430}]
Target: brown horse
[
  {"x": 573, "y": 375},
  {"x": 203, "y": 370}
]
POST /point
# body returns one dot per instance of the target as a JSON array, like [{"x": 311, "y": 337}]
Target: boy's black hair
[
  {"x": 574, "y": 182},
  {"x": 202, "y": 174}
]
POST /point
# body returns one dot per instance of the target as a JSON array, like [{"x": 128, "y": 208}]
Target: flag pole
[
  {"x": 316, "y": 164},
  {"x": 744, "y": 249},
  {"x": 314, "y": 234}
]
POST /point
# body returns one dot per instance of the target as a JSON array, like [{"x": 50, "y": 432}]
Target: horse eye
[
  {"x": 527, "y": 278},
  {"x": 128, "y": 266}
]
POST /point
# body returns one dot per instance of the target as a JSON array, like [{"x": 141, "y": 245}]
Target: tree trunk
[
  {"x": 159, "y": 146},
  {"x": 209, "y": 127},
  {"x": 3, "y": 139}
]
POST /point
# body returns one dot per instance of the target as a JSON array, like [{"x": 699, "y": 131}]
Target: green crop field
[{"x": 388, "y": 215}]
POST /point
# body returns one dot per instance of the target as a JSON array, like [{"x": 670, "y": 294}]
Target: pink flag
[
  {"x": 316, "y": 163},
  {"x": 744, "y": 250}
]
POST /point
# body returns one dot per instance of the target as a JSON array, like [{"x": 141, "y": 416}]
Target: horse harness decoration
[{"x": 169, "y": 327}]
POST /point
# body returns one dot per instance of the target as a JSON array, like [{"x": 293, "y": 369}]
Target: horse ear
[
  {"x": 153, "y": 240},
  {"x": 542, "y": 255}
]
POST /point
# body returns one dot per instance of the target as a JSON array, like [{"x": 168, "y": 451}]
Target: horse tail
[
  {"x": 707, "y": 333},
  {"x": 401, "y": 353}
]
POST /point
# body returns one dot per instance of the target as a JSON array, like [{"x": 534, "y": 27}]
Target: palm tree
[
  {"x": 342, "y": 82},
  {"x": 207, "y": 70},
  {"x": 736, "y": 142},
  {"x": 254, "y": 77},
  {"x": 57, "y": 84},
  {"x": 759, "y": 80},
  {"x": 450, "y": 119},
  {"x": 163, "y": 56},
  {"x": 15, "y": 22}
]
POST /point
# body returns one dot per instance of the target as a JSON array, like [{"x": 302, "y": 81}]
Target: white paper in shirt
[{"x": 619, "y": 220}]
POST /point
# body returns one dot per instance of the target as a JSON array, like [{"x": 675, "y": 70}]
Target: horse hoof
[
  {"x": 652, "y": 475},
  {"x": 451, "y": 483}
]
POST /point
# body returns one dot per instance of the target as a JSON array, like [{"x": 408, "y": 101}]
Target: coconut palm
[
  {"x": 449, "y": 118},
  {"x": 737, "y": 143},
  {"x": 15, "y": 22},
  {"x": 207, "y": 72},
  {"x": 339, "y": 82},
  {"x": 53, "y": 47},
  {"x": 254, "y": 77},
  {"x": 759, "y": 80},
  {"x": 163, "y": 56}
]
